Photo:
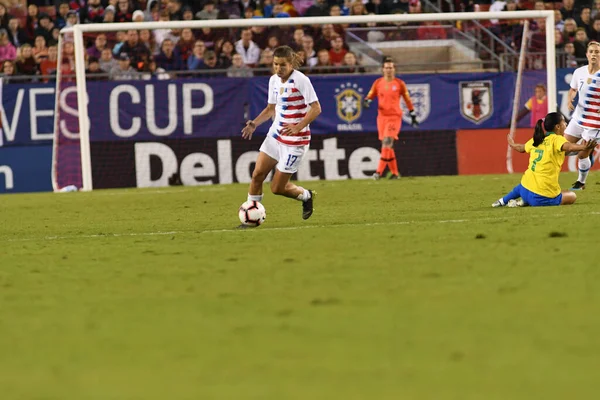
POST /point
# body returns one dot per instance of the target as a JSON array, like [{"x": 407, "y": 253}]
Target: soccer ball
[{"x": 252, "y": 213}]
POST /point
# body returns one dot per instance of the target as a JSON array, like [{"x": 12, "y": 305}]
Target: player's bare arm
[
  {"x": 572, "y": 94},
  {"x": 568, "y": 147},
  {"x": 313, "y": 112},
  {"x": 264, "y": 116},
  {"x": 515, "y": 146}
]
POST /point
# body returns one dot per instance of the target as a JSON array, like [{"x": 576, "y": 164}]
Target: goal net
[{"x": 162, "y": 103}]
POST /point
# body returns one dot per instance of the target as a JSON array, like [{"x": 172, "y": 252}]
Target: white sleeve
[
  {"x": 272, "y": 96},
  {"x": 307, "y": 90},
  {"x": 574, "y": 80}
]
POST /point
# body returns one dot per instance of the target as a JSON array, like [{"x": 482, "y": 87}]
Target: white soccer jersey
[
  {"x": 587, "y": 112},
  {"x": 291, "y": 99}
]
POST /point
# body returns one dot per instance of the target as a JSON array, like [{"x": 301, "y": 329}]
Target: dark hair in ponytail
[
  {"x": 288, "y": 53},
  {"x": 545, "y": 125}
]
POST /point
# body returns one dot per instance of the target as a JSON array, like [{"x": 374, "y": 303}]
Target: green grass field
[{"x": 410, "y": 289}]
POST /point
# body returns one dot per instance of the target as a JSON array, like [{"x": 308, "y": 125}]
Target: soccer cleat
[
  {"x": 578, "y": 186},
  {"x": 307, "y": 206},
  {"x": 497, "y": 204},
  {"x": 394, "y": 177},
  {"x": 376, "y": 176}
]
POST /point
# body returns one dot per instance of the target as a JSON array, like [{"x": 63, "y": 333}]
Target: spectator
[
  {"x": 4, "y": 16},
  {"x": 319, "y": 9},
  {"x": 197, "y": 56},
  {"x": 99, "y": 45},
  {"x": 289, "y": 8},
  {"x": 162, "y": 34},
  {"x": 107, "y": 62},
  {"x": 325, "y": 38},
  {"x": 92, "y": 13},
  {"x": 595, "y": 35},
  {"x": 337, "y": 51},
  {"x": 55, "y": 35},
  {"x": 188, "y": 14},
  {"x": 226, "y": 53},
  {"x": 351, "y": 65},
  {"x": 323, "y": 65},
  {"x": 72, "y": 19},
  {"x": 209, "y": 11},
  {"x": 138, "y": 16},
  {"x": 152, "y": 10},
  {"x": 147, "y": 39},
  {"x": 124, "y": 11},
  {"x": 26, "y": 64},
  {"x": 558, "y": 39},
  {"x": 247, "y": 48},
  {"x": 585, "y": 20},
  {"x": 297, "y": 39},
  {"x": 135, "y": 50},
  {"x": 109, "y": 14},
  {"x": 558, "y": 21},
  {"x": 8, "y": 71},
  {"x": 581, "y": 41},
  {"x": 121, "y": 38},
  {"x": 272, "y": 42},
  {"x": 16, "y": 34},
  {"x": 208, "y": 36},
  {"x": 61, "y": 15},
  {"x": 265, "y": 8},
  {"x": 229, "y": 9},
  {"x": 40, "y": 50},
  {"x": 209, "y": 64},
  {"x": 48, "y": 66},
  {"x": 568, "y": 9},
  {"x": 357, "y": 8},
  {"x": 175, "y": 12},
  {"x": 7, "y": 50},
  {"x": 431, "y": 30},
  {"x": 308, "y": 47},
  {"x": 238, "y": 69},
  {"x": 185, "y": 45},
  {"x": 570, "y": 59},
  {"x": 32, "y": 20},
  {"x": 260, "y": 36},
  {"x": 93, "y": 72},
  {"x": 378, "y": 7},
  {"x": 45, "y": 25},
  {"x": 124, "y": 71},
  {"x": 569, "y": 31},
  {"x": 595, "y": 9},
  {"x": 168, "y": 59},
  {"x": 266, "y": 63}
]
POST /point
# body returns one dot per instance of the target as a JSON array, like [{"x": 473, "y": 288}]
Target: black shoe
[
  {"x": 307, "y": 206},
  {"x": 578, "y": 186},
  {"x": 394, "y": 177}
]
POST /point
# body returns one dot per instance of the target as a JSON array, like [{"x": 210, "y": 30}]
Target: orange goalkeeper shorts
[{"x": 389, "y": 127}]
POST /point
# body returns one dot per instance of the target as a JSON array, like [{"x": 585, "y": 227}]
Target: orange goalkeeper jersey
[{"x": 388, "y": 96}]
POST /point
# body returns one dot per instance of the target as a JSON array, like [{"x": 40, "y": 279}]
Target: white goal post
[{"x": 78, "y": 30}]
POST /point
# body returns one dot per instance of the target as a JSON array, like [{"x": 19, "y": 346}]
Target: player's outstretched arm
[
  {"x": 251, "y": 125},
  {"x": 569, "y": 147},
  {"x": 572, "y": 94},
  {"x": 515, "y": 146}
]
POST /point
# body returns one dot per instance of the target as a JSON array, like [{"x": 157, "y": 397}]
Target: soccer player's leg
[
  {"x": 513, "y": 195},
  {"x": 585, "y": 159},
  {"x": 383, "y": 162},
  {"x": 289, "y": 161},
  {"x": 574, "y": 134},
  {"x": 568, "y": 197},
  {"x": 393, "y": 129},
  {"x": 268, "y": 157}
]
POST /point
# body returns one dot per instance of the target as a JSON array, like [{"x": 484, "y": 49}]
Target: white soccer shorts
[
  {"x": 288, "y": 157},
  {"x": 580, "y": 132}
]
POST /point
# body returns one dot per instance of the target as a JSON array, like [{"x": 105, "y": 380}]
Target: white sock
[
  {"x": 255, "y": 197},
  {"x": 502, "y": 201},
  {"x": 584, "y": 169},
  {"x": 305, "y": 195}
]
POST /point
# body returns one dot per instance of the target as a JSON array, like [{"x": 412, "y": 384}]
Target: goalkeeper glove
[
  {"x": 414, "y": 123},
  {"x": 367, "y": 103}
]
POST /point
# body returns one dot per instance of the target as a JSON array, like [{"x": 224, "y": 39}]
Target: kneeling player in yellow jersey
[{"x": 539, "y": 185}]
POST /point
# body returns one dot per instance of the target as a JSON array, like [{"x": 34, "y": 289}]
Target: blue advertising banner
[{"x": 25, "y": 169}]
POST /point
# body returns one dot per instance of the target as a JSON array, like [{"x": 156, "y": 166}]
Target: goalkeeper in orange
[{"x": 388, "y": 90}]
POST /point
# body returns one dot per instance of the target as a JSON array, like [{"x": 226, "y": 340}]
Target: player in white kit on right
[
  {"x": 585, "y": 121},
  {"x": 292, "y": 104}
]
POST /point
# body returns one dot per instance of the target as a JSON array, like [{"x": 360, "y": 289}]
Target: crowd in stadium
[{"x": 28, "y": 43}]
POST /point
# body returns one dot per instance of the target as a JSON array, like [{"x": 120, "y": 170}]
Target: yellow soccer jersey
[{"x": 545, "y": 162}]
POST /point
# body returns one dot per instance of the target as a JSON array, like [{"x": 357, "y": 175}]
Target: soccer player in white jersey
[
  {"x": 585, "y": 121},
  {"x": 292, "y": 104}
]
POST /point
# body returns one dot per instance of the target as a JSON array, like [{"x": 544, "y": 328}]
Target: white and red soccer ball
[{"x": 252, "y": 213}]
